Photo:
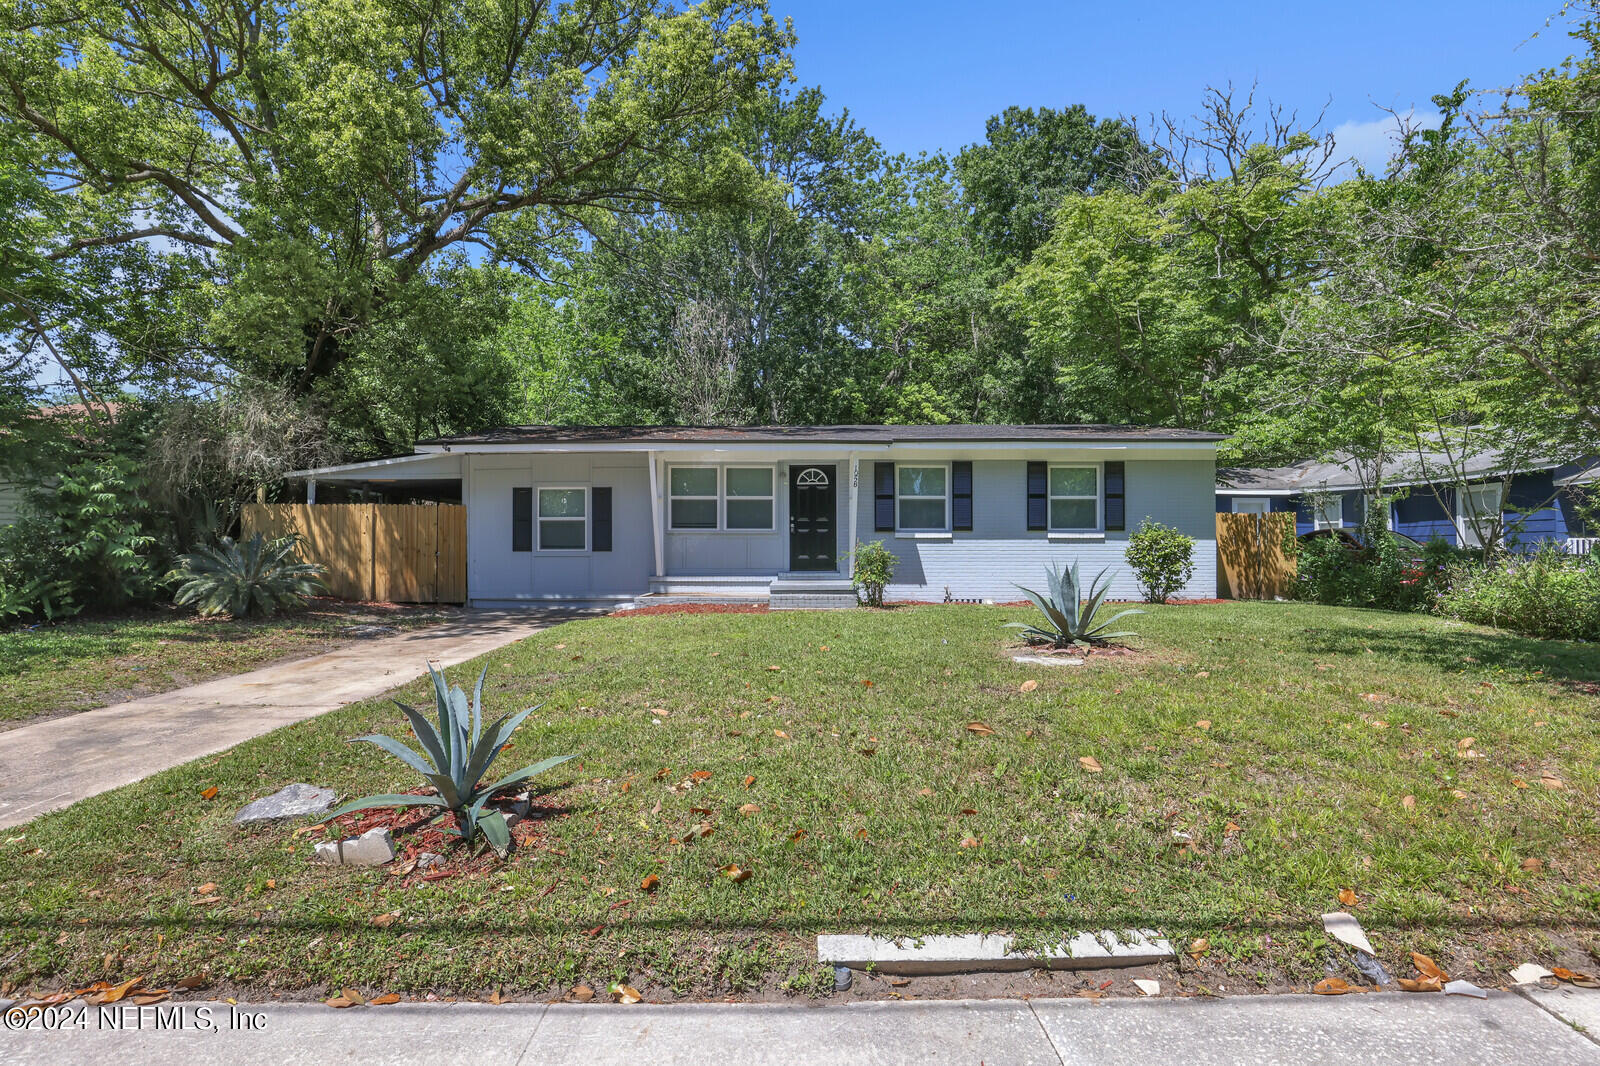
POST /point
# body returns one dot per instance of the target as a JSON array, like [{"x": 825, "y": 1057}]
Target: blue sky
[{"x": 924, "y": 76}]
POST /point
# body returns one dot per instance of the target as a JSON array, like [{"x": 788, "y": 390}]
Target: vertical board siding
[
  {"x": 395, "y": 552},
  {"x": 1251, "y": 561}
]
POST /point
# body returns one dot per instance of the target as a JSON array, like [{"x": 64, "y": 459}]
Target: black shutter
[
  {"x": 600, "y": 532},
  {"x": 1038, "y": 498},
  {"x": 522, "y": 520},
  {"x": 883, "y": 497},
  {"x": 1116, "y": 496},
  {"x": 960, "y": 495}
]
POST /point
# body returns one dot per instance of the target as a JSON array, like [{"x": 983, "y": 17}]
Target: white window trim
[
  {"x": 722, "y": 508},
  {"x": 1370, "y": 501},
  {"x": 721, "y": 497},
  {"x": 539, "y": 521},
  {"x": 1099, "y": 499},
  {"x": 1463, "y": 518},
  {"x": 1319, "y": 519},
  {"x": 900, "y": 526}
]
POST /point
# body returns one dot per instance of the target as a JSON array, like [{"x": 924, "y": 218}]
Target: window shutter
[
  {"x": 522, "y": 520},
  {"x": 600, "y": 533},
  {"x": 883, "y": 497},
  {"x": 1038, "y": 502},
  {"x": 960, "y": 495},
  {"x": 1116, "y": 496}
]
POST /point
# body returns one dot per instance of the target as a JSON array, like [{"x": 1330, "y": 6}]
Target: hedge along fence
[
  {"x": 1253, "y": 562},
  {"x": 403, "y": 553}
]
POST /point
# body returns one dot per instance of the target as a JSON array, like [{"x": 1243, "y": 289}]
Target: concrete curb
[{"x": 976, "y": 952}]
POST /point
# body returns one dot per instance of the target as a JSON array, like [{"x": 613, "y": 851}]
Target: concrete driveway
[{"x": 51, "y": 764}]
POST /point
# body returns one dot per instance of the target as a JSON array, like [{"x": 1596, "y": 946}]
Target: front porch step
[
  {"x": 812, "y": 592},
  {"x": 728, "y": 585}
]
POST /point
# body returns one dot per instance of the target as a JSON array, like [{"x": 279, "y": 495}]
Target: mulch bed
[{"x": 415, "y": 831}]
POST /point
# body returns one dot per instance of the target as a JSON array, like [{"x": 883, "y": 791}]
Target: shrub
[
  {"x": 455, "y": 760},
  {"x": 258, "y": 577},
  {"x": 1544, "y": 594},
  {"x": 1380, "y": 570},
  {"x": 872, "y": 570},
  {"x": 1162, "y": 560},
  {"x": 1068, "y": 617}
]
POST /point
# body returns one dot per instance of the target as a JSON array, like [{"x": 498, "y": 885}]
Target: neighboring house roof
[
  {"x": 1344, "y": 474},
  {"x": 853, "y": 434}
]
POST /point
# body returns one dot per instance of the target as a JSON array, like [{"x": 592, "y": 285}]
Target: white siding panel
[{"x": 10, "y": 503}]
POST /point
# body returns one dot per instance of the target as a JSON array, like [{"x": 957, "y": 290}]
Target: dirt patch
[{"x": 693, "y": 608}]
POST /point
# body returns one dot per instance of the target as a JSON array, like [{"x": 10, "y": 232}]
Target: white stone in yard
[
  {"x": 1344, "y": 927},
  {"x": 1046, "y": 660},
  {"x": 292, "y": 801},
  {"x": 372, "y": 848},
  {"x": 1528, "y": 973}
]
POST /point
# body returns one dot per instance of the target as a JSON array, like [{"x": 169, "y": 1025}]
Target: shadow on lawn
[{"x": 1464, "y": 651}]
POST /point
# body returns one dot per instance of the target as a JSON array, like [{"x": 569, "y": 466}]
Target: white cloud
[{"x": 1373, "y": 143}]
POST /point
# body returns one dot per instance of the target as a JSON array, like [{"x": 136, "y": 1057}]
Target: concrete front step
[{"x": 812, "y": 593}]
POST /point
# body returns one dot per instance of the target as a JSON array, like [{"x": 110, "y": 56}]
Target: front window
[
  {"x": 922, "y": 497},
  {"x": 1480, "y": 514},
  {"x": 1329, "y": 513},
  {"x": 563, "y": 519},
  {"x": 749, "y": 497},
  {"x": 1074, "y": 497},
  {"x": 694, "y": 497}
]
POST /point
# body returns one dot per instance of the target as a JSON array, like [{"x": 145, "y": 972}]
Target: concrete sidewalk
[
  {"x": 1370, "y": 1029},
  {"x": 54, "y": 763}
]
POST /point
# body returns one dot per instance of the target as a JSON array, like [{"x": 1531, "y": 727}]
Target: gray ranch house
[{"x": 613, "y": 514}]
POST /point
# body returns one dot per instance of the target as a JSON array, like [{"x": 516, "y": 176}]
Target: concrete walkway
[
  {"x": 1370, "y": 1029},
  {"x": 51, "y": 764}
]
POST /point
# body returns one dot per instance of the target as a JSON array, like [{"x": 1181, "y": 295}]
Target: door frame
[{"x": 832, "y": 470}]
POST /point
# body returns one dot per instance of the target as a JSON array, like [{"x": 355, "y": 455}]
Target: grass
[
  {"x": 1336, "y": 757},
  {"x": 81, "y": 663}
]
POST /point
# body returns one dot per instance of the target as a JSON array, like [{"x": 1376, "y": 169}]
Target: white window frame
[
  {"x": 1370, "y": 501},
  {"x": 722, "y": 508},
  {"x": 721, "y": 497},
  {"x": 1319, "y": 512},
  {"x": 899, "y": 525},
  {"x": 1099, "y": 498},
  {"x": 1466, "y": 536},
  {"x": 539, "y": 520},
  {"x": 1252, "y": 505}
]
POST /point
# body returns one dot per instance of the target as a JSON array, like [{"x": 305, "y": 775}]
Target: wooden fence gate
[
  {"x": 1251, "y": 561},
  {"x": 402, "y": 553}
]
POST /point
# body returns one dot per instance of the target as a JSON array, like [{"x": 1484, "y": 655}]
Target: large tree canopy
[{"x": 271, "y": 176}]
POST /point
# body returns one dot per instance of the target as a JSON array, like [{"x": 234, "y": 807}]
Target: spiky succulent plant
[
  {"x": 1070, "y": 616},
  {"x": 256, "y": 577},
  {"x": 455, "y": 760}
]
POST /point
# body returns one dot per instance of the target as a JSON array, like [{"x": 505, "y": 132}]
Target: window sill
[
  {"x": 1076, "y": 536},
  {"x": 906, "y": 534}
]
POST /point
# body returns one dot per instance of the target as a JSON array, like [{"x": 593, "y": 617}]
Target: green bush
[
  {"x": 872, "y": 570},
  {"x": 1380, "y": 570},
  {"x": 1543, "y": 594},
  {"x": 257, "y": 577},
  {"x": 1162, "y": 560}
]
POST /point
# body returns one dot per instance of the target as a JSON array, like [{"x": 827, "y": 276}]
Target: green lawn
[
  {"x": 77, "y": 664},
  {"x": 1336, "y": 757}
]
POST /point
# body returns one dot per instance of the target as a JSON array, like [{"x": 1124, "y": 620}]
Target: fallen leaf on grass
[
  {"x": 1428, "y": 968},
  {"x": 583, "y": 993},
  {"x": 1582, "y": 980},
  {"x": 188, "y": 984},
  {"x": 1335, "y": 986},
  {"x": 735, "y": 873},
  {"x": 750, "y": 808},
  {"x": 210, "y": 793},
  {"x": 1199, "y": 947},
  {"x": 796, "y": 836},
  {"x": 1517, "y": 782},
  {"x": 1348, "y": 897},
  {"x": 207, "y": 889},
  {"x": 1551, "y": 782},
  {"x": 1232, "y": 827},
  {"x": 749, "y": 780},
  {"x": 1203, "y": 724},
  {"x": 1533, "y": 865},
  {"x": 980, "y": 728},
  {"x": 700, "y": 775},
  {"x": 1408, "y": 802},
  {"x": 1028, "y": 685},
  {"x": 866, "y": 683},
  {"x": 1090, "y": 763},
  {"x": 625, "y": 993},
  {"x": 206, "y": 901},
  {"x": 780, "y": 734},
  {"x": 774, "y": 669},
  {"x": 651, "y": 883},
  {"x": 383, "y": 921},
  {"x": 101, "y": 993},
  {"x": 385, "y": 999},
  {"x": 1424, "y": 984},
  {"x": 969, "y": 841}
]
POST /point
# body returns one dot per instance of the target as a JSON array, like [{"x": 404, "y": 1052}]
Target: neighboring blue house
[{"x": 1537, "y": 501}]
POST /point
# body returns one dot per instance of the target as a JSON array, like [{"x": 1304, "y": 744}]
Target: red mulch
[
  {"x": 694, "y": 608},
  {"x": 415, "y": 833}
]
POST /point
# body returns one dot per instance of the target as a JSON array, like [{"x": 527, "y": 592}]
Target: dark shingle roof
[{"x": 820, "y": 434}]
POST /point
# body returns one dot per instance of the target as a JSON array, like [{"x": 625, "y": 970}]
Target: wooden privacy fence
[
  {"x": 403, "y": 553},
  {"x": 1251, "y": 561}
]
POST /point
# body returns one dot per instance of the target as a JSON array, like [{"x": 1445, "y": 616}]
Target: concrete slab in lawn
[
  {"x": 54, "y": 763},
  {"x": 1376, "y": 1029},
  {"x": 964, "y": 1031},
  {"x": 1576, "y": 1006},
  {"x": 984, "y": 953}
]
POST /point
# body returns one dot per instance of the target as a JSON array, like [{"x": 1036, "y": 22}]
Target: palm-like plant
[
  {"x": 1070, "y": 616},
  {"x": 455, "y": 760},
  {"x": 256, "y": 577}
]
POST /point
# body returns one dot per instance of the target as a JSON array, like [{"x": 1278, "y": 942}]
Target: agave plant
[
  {"x": 1072, "y": 617},
  {"x": 256, "y": 577},
  {"x": 455, "y": 760}
]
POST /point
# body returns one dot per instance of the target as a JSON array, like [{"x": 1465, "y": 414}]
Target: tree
[{"x": 292, "y": 170}]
